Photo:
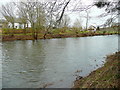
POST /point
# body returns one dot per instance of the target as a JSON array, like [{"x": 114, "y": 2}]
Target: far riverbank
[{"x": 50, "y": 36}]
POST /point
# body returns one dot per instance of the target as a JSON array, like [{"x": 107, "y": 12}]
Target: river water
[{"x": 53, "y": 63}]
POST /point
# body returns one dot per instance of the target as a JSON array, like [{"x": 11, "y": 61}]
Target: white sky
[{"x": 94, "y": 11}]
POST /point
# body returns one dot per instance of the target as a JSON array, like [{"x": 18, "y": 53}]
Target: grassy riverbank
[
  {"x": 67, "y": 33},
  {"x": 104, "y": 77}
]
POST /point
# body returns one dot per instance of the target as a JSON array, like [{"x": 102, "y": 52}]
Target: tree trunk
[
  {"x": 46, "y": 31},
  {"x": 12, "y": 31},
  {"x": 36, "y": 34},
  {"x": 25, "y": 28},
  {"x": 33, "y": 31},
  {"x": 27, "y": 25},
  {"x": 24, "y": 25},
  {"x": 13, "y": 25},
  {"x": 45, "y": 35},
  {"x": 87, "y": 20}
]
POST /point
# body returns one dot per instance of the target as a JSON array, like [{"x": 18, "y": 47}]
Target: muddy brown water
[{"x": 53, "y": 63}]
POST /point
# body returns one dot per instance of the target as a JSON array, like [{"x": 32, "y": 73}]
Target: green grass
[{"x": 60, "y": 31}]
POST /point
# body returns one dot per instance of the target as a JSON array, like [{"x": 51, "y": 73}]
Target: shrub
[{"x": 104, "y": 32}]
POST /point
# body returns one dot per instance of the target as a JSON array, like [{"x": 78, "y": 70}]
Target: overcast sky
[{"x": 93, "y": 12}]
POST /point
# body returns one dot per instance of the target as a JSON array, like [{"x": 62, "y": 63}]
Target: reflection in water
[{"x": 53, "y": 62}]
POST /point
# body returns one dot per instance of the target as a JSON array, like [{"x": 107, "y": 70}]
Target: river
[{"x": 53, "y": 63}]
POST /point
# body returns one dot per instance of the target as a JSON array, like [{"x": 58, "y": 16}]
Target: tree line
[{"x": 46, "y": 14}]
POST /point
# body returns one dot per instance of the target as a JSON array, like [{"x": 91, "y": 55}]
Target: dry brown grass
[{"x": 104, "y": 77}]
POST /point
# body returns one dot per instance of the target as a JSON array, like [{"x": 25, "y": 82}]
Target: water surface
[{"x": 53, "y": 63}]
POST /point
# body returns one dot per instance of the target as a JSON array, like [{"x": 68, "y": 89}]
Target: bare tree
[
  {"x": 77, "y": 26},
  {"x": 111, "y": 7},
  {"x": 8, "y": 12},
  {"x": 40, "y": 18},
  {"x": 77, "y": 23},
  {"x": 45, "y": 14},
  {"x": 54, "y": 13},
  {"x": 87, "y": 18},
  {"x": 22, "y": 13},
  {"x": 33, "y": 13},
  {"x": 62, "y": 13},
  {"x": 65, "y": 21}
]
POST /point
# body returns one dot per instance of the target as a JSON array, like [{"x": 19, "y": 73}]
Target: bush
[{"x": 104, "y": 32}]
